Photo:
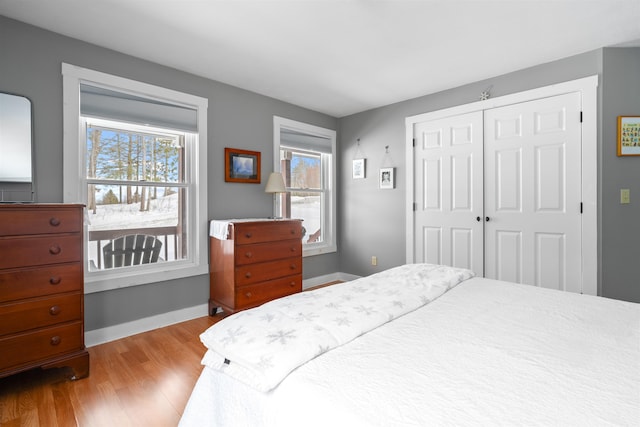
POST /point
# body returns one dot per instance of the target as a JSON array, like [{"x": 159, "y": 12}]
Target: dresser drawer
[
  {"x": 260, "y": 252},
  {"x": 31, "y": 314},
  {"x": 40, "y": 281},
  {"x": 252, "y": 295},
  {"x": 41, "y": 250},
  {"x": 268, "y": 231},
  {"x": 34, "y": 220},
  {"x": 40, "y": 344},
  {"x": 253, "y": 273}
]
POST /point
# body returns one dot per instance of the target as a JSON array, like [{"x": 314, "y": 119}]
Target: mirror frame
[{"x": 7, "y": 188}]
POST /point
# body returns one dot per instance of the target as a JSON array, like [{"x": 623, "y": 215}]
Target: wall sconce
[{"x": 275, "y": 185}]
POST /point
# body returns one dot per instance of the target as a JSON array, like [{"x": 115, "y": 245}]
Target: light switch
[{"x": 625, "y": 196}]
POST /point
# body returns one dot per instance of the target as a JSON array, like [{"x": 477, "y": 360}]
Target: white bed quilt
[
  {"x": 260, "y": 347},
  {"x": 485, "y": 353}
]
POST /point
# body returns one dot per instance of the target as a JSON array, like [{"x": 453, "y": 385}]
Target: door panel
[
  {"x": 532, "y": 168},
  {"x": 448, "y": 192}
]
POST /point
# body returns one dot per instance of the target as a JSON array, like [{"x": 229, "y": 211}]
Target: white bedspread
[
  {"x": 485, "y": 353},
  {"x": 262, "y": 346}
]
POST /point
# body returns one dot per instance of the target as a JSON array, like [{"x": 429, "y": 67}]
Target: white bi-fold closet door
[{"x": 499, "y": 191}]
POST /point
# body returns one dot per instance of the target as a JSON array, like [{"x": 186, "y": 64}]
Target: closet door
[
  {"x": 533, "y": 193},
  {"x": 448, "y": 192}
]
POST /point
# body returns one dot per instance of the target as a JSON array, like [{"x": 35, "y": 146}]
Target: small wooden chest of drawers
[
  {"x": 256, "y": 262},
  {"x": 41, "y": 288}
]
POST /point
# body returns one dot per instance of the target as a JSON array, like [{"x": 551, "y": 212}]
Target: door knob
[
  {"x": 487, "y": 219},
  {"x": 478, "y": 219}
]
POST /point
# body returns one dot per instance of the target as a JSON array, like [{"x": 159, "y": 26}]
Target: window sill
[
  {"x": 318, "y": 250},
  {"x": 100, "y": 281}
]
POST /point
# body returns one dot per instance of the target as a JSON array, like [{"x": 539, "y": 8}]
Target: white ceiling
[{"x": 341, "y": 56}]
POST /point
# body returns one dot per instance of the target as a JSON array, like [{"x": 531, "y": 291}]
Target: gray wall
[
  {"x": 373, "y": 220},
  {"x": 620, "y": 239},
  {"x": 30, "y": 65}
]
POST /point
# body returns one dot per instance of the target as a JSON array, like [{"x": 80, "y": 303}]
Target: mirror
[{"x": 16, "y": 149}]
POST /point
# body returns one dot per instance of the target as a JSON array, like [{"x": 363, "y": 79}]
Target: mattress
[{"x": 485, "y": 353}]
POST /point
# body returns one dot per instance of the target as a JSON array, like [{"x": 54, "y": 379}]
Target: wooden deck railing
[{"x": 168, "y": 235}]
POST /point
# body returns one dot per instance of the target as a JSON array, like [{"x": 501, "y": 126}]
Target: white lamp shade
[{"x": 275, "y": 184}]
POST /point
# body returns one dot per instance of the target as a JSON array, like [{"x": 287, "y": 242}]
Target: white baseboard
[
  {"x": 319, "y": 280},
  {"x": 111, "y": 333},
  {"x": 122, "y": 330}
]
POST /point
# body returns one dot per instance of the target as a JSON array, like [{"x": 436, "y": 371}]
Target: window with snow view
[{"x": 139, "y": 167}]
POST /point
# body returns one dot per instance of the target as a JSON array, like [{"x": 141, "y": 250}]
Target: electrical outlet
[
  {"x": 374, "y": 260},
  {"x": 625, "y": 196}
]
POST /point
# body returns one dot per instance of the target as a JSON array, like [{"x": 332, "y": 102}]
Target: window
[
  {"x": 305, "y": 155},
  {"x": 135, "y": 155}
]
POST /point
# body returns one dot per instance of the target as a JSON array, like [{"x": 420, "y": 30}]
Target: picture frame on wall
[
  {"x": 241, "y": 166},
  {"x": 628, "y": 135},
  {"x": 387, "y": 178},
  {"x": 359, "y": 168}
]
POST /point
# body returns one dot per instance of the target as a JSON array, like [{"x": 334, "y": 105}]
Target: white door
[
  {"x": 533, "y": 193},
  {"x": 448, "y": 192}
]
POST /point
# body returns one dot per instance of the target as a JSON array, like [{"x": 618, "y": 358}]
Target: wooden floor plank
[
  {"x": 145, "y": 379},
  {"x": 141, "y": 380}
]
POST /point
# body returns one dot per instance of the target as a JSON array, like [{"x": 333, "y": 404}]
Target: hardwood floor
[{"x": 142, "y": 380}]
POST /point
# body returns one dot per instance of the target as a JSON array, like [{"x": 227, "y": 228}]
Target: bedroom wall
[
  {"x": 373, "y": 220},
  {"x": 620, "y": 230},
  {"x": 30, "y": 65}
]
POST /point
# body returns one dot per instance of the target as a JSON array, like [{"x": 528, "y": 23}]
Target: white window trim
[
  {"x": 330, "y": 236},
  {"x": 74, "y": 155}
]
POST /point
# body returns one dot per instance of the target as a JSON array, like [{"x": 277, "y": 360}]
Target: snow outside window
[
  {"x": 306, "y": 158},
  {"x": 138, "y": 165}
]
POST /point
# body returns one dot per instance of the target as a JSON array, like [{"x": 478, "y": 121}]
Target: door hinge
[
  {"x": 415, "y": 206},
  {"x": 580, "y": 207},
  {"x": 414, "y": 142},
  {"x": 580, "y": 116}
]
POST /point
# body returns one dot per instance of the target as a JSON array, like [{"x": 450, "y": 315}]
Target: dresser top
[{"x": 219, "y": 228}]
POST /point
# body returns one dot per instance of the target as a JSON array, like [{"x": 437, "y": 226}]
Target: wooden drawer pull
[
  {"x": 293, "y": 248},
  {"x": 247, "y": 275},
  {"x": 55, "y": 250},
  {"x": 292, "y": 266},
  {"x": 247, "y": 235},
  {"x": 54, "y": 310},
  {"x": 248, "y": 294},
  {"x": 248, "y": 254},
  {"x": 55, "y": 340},
  {"x": 54, "y": 222},
  {"x": 55, "y": 280},
  {"x": 292, "y": 284}
]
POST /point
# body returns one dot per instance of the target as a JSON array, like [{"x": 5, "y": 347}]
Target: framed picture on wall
[
  {"x": 628, "y": 135},
  {"x": 359, "y": 168},
  {"x": 387, "y": 179},
  {"x": 241, "y": 166}
]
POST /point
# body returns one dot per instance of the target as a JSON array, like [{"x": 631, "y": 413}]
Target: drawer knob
[
  {"x": 247, "y": 275},
  {"x": 248, "y": 254},
  {"x": 247, "y": 235},
  {"x": 293, "y": 249},
  {"x": 248, "y": 295},
  {"x": 55, "y": 250},
  {"x": 55, "y": 280},
  {"x": 292, "y": 266},
  {"x": 55, "y": 340},
  {"x": 54, "y": 222},
  {"x": 293, "y": 231},
  {"x": 54, "y": 310},
  {"x": 292, "y": 284}
]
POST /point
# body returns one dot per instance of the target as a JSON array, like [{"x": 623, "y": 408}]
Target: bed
[{"x": 422, "y": 345}]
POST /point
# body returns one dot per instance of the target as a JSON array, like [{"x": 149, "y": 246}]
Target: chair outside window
[{"x": 134, "y": 249}]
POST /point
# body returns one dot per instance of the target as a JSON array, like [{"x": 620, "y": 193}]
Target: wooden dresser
[
  {"x": 41, "y": 289},
  {"x": 257, "y": 261}
]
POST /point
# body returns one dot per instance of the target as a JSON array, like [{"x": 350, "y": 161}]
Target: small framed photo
[
  {"x": 387, "y": 178},
  {"x": 628, "y": 135},
  {"x": 241, "y": 166},
  {"x": 359, "y": 168}
]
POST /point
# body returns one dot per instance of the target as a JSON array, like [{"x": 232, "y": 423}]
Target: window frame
[
  {"x": 328, "y": 214},
  {"x": 75, "y": 179}
]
